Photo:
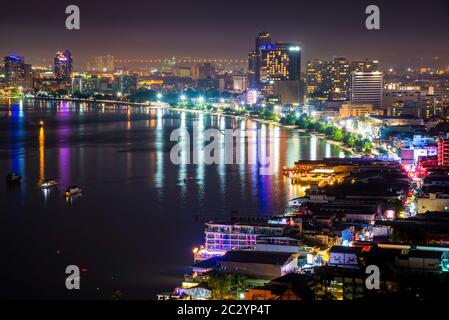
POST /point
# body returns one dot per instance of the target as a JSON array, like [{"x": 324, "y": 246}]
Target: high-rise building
[
  {"x": 440, "y": 90},
  {"x": 63, "y": 66},
  {"x": 367, "y": 88},
  {"x": 125, "y": 83},
  {"x": 101, "y": 63},
  {"x": 366, "y": 65},
  {"x": 182, "y": 72},
  {"x": 328, "y": 80},
  {"x": 280, "y": 61},
  {"x": 203, "y": 71},
  {"x": 253, "y": 69},
  {"x": 17, "y": 72},
  {"x": 86, "y": 85},
  {"x": 280, "y": 71},
  {"x": 263, "y": 39},
  {"x": 240, "y": 83}
]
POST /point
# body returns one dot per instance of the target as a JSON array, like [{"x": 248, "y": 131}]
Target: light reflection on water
[{"x": 137, "y": 219}]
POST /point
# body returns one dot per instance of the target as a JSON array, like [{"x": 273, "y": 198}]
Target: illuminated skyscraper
[
  {"x": 263, "y": 39},
  {"x": 366, "y": 65},
  {"x": 253, "y": 69},
  {"x": 17, "y": 72},
  {"x": 63, "y": 66},
  {"x": 280, "y": 71},
  {"x": 126, "y": 83},
  {"x": 328, "y": 80},
  {"x": 367, "y": 88},
  {"x": 280, "y": 61}
]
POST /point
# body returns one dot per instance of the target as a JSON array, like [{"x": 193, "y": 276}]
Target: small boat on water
[
  {"x": 72, "y": 191},
  {"x": 48, "y": 183},
  {"x": 13, "y": 178}
]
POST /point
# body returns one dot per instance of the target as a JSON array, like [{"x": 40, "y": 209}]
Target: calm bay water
[{"x": 135, "y": 225}]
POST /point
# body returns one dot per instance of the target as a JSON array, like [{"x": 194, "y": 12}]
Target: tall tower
[
  {"x": 280, "y": 61},
  {"x": 367, "y": 88},
  {"x": 280, "y": 71},
  {"x": 263, "y": 39},
  {"x": 17, "y": 72},
  {"x": 63, "y": 66}
]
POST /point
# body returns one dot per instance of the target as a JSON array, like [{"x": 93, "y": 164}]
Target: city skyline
[
  {"x": 143, "y": 31},
  {"x": 254, "y": 150}
]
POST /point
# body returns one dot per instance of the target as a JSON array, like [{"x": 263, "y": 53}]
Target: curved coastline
[{"x": 165, "y": 106}]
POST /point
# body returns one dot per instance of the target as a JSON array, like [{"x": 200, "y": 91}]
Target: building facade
[
  {"x": 17, "y": 73},
  {"x": 328, "y": 80},
  {"x": 367, "y": 88},
  {"x": 443, "y": 152},
  {"x": 63, "y": 66}
]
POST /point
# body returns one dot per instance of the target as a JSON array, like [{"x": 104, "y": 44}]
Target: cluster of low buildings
[{"x": 322, "y": 245}]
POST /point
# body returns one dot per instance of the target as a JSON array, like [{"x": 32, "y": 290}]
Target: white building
[
  {"x": 434, "y": 202},
  {"x": 240, "y": 83},
  {"x": 367, "y": 88}
]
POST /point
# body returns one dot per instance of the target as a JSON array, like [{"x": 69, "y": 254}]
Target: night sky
[{"x": 412, "y": 32}]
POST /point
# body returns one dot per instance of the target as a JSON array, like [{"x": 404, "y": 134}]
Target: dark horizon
[{"x": 411, "y": 34}]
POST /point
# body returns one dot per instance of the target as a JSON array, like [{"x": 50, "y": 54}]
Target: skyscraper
[
  {"x": 367, "y": 88},
  {"x": 253, "y": 69},
  {"x": 101, "y": 63},
  {"x": 280, "y": 61},
  {"x": 126, "y": 83},
  {"x": 328, "y": 80},
  {"x": 366, "y": 65},
  {"x": 203, "y": 71},
  {"x": 263, "y": 39},
  {"x": 63, "y": 66},
  {"x": 280, "y": 71},
  {"x": 17, "y": 72}
]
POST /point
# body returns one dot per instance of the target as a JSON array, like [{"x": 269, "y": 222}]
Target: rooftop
[
  {"x": 343, "y": 249},
  {"x": 276, "y": 258}
]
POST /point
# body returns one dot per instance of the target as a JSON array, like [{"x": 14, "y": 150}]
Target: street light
[
  {"x": 159, "y": 95},
  {"x": 183, "y": 97},
  {"x": 201, "y": 99}
]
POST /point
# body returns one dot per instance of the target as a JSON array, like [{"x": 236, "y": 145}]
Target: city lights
[{"x": 173, "y": 151}]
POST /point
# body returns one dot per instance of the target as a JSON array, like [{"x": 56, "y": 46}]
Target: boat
[
  {"x": 48, "y": 183},
  {"x": 13, "y": 178},
  {"x": 72, "y": 191}
]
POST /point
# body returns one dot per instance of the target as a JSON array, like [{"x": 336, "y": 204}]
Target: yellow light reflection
[{"x": 41, "y": 154}]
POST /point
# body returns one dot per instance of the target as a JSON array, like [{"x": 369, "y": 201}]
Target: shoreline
[{"x": 165, "y": 106}]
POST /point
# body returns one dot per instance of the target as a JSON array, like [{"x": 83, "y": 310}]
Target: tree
[
  {"x": 351, "y": 142},
  {"x": 338, "y": 135},
  {"x": 321, "y": 127},
  {"x": 330, "y": 131},
  {"x": 225, "y": 285},
  {"x": 367, "y": 146},
  {"x": 303, "y": 122},
  {"x": 290, "y": 119},
  {"x": 143, "y": 95}
]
